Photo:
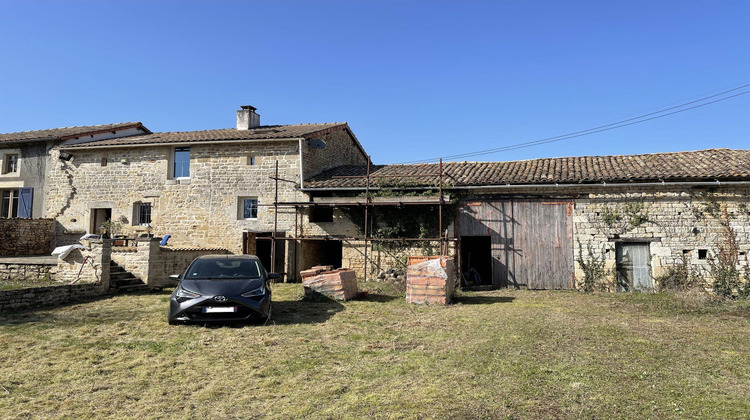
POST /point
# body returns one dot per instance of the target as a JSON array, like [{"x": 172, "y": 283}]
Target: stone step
[
  {"x": 130, "y": 288},
  {"x": 129, "y": 280},
  {"x": 120, "y": 275},
  {"x": 122, "y": 280}
]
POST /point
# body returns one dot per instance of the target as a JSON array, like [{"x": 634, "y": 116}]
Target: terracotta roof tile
[
  {"x": 711, "y": 164},
  {"x": 63, "y": 132},
  {"x": 258, "y": 133}
]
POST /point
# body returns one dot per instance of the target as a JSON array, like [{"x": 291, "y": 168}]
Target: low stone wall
[
  {"x": 87, "y": 268},
  {"x": 27, "y": 272},
  {"x": 13, "y": 300},
  {"x": 89, "y": 265},
  {"x": 27, "y": 236},
  {"x": 154, "y": 264},
  {"x": 382, "y": 256},
  {"x": 175, "y": 261}
]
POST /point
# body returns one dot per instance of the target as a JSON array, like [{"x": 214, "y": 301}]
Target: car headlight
[
  {"x": 256, "y": 292},
  {"x": 186, "y": 294}
]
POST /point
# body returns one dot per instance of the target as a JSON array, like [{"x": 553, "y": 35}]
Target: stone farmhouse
[
  {"x": 24, "y": 159},
  {"x": 539, "y": 223}
]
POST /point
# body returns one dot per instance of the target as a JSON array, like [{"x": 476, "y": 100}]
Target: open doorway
[
  {"x": 98, "y": 217},
  {"x": 260, "y": 244},
  {"x": 321, "y": 252},
  {"x": 476, "y": 260}
]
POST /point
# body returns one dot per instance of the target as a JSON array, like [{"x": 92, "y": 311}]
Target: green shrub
[{"x": 592, "y": 266}]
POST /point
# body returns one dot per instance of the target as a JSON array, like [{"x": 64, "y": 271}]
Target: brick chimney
[{"x": 247, "y": 118}]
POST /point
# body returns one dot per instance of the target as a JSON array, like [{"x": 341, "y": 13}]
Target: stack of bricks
[
  {"x": 314, "y": 271},
  {"x": 336, "y": 284},
  {"x": 431, "y": 281}
]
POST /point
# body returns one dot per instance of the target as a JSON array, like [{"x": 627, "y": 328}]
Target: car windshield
[{"x": 223, "y": 269}]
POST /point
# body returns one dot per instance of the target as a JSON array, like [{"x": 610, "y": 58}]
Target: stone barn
[{"x": 604, "y": 222}]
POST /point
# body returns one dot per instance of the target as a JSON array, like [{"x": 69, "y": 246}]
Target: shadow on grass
[
  {"x": 377, "y": 297},
  {"x": 39, "y": 313},
  {"x": 482, "y": 300},
  {"x": 313, "y": 310}
]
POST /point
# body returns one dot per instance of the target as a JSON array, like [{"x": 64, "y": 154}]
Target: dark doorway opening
[
  {"x": 260, "y": 244},
  {"x": 321, "y": 252},
  {"x": 98, "y": 217},
  {"x": 476, "y": 260}
]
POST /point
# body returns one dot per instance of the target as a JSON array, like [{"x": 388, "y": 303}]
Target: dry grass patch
[{"x": 515, "y": 354}]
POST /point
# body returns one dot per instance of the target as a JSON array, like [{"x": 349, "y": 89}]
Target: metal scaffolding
[{"x": 442, "y": 239}]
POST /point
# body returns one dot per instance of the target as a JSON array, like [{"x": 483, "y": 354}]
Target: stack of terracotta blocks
[
  {"x": 431, "y": 281},
  {"x": 314, "y": 271},
  {"x": 336, "y": 284}
]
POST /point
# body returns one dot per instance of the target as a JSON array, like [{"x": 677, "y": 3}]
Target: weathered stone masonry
[
  {"x": 26, "y": 236},
  {"x": 675, "y": 222},
  {"x": 204, "y": 210}
]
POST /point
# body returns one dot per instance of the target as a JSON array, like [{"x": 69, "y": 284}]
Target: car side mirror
[
  {"x": 174, "y": 276},
  {"x": 273, "y": 276}
]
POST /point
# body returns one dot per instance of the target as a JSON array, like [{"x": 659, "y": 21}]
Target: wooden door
[
  {"x": 543, "y": 244},
  {"x": 531, "y": 240}
]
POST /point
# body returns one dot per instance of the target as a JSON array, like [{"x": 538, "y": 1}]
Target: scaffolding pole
[
  {"x": 275, "y": 218},
  {"x": 367, "y": 201},
  {"x": 440, "y": 209}
]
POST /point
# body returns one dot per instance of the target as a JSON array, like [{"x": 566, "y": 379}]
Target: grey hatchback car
[{"x": 222, "y": 288}]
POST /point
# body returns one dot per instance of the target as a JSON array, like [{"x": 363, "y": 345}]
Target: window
[
  {"x": 10, "y": 164},
  {"x": 142, "y": 214},
  {"x": 181, "y": 162},
  {"x": 9, "y": 203},
  {"x": 321, "y": 214},
  {"x": 104, "y": 161},
  {"x": 248, "y": 208},
  {"x": 251, "y": 160}
]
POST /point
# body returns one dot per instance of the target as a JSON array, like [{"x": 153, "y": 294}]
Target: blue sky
[{"x": 414, "y": 79}]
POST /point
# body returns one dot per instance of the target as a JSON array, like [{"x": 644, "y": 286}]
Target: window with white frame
[
  {"x": 248, "y": 208},
  {"x": 10, "y": 163},
  {"x": 141, "y": 214},
  {"x": 9, "y": 203}
]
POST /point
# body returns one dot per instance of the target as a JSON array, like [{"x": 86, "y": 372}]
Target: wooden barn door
[
  {"x": 543, "y": 244},
  {"x": 531, "y": 241}
]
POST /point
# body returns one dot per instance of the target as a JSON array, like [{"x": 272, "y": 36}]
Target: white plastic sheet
[{"x": 63, "y": 251}]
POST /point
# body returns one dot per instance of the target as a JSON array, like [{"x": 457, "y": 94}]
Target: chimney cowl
[{"x": 247, "y": 118}]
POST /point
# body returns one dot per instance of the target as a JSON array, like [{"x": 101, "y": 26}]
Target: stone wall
[
  {"x": 13, "y": 300},
  {"x": 202, "y": 211},
  {"x": 676, "y": 224},
  {"x": 381, "y": 256},
  {"x": 89, "y": 265},
  {"x": 19, "y": 272},
  {"x": 340, "y": 149},
  {"x": 154, "y": 264},
  {"x": 27, "y": 236},
  {"x": 88, "y": 268}
]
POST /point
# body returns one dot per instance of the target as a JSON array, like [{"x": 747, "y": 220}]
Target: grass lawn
[
  {"x": 13, "y": 285},
  {"x": 498, "y": 354}
]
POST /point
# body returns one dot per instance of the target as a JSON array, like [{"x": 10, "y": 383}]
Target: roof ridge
[
  {"x": 250, "y": 130},
  {"x": 713, "y": 149}
]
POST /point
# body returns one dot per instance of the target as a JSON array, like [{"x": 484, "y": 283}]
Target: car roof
[{"x": 228, "y": 257}]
